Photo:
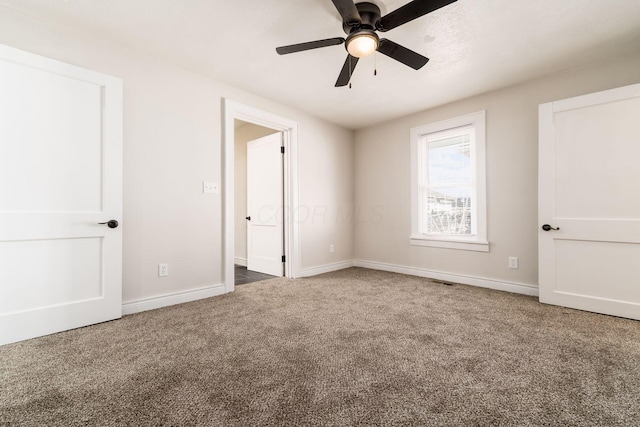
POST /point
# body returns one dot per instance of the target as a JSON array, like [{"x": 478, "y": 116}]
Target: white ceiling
[{"x": 474, "y": 46}]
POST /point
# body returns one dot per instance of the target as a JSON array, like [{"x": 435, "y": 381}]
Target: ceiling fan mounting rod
[{"x": 369, "y": 18}]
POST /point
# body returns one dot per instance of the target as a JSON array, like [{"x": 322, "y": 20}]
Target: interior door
[
  {"x": 589, "y": 202},
  {"x": 265, "y": 246},
  {"x": 60, "y": 176}
]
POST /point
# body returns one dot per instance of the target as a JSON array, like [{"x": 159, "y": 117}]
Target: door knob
[
  {"x": 547, "y": 227},
  {"x": 248, "y": 218},
  {"x": 111, "y": 224}
]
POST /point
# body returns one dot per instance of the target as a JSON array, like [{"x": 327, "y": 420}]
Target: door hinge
[
  {"x": 282, "y": 149},
  {"x": 284, "y": 258}
]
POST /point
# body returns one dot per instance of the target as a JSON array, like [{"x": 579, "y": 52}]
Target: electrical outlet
[
  {"x": 513, "y": 262},
  {"x": 332, "y": 248},
  {"x": 163, "y": 270}
]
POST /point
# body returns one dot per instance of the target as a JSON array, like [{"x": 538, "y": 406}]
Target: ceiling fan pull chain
[
  {"x": 350, "y": 69},
  {"x": 375, "y": 63}
]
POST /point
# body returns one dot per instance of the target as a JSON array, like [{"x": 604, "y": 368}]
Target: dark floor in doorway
[{"x": 244, "y": 276}]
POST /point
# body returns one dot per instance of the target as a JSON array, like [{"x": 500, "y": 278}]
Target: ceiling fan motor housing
[{"x": 370, "y": 15}]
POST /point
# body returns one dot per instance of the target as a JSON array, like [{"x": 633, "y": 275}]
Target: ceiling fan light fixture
[
  {"x": 362, "y": 43},
  {"x": 361, "y": 19}
]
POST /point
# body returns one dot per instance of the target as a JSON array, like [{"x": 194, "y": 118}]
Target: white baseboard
[
  {"x": 172, "y": 299},
  {"x": 327, "y": 268},
  {"x": 240, "y": 261},
  {"x": 215, "y": 290},
  {"x": 518, "y": 288}
]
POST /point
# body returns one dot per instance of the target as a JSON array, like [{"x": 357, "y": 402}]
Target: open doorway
[
  {"x": 288, "y": 129},
  {"x": 259, "y": 203}
]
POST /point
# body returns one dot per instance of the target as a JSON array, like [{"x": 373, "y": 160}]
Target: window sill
[{"x": 450, "y": 244}]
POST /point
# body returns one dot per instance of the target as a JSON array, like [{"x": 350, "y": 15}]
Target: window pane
[
  {"x": 448, "y": 211},
  {"x": 450, "y": 160}
]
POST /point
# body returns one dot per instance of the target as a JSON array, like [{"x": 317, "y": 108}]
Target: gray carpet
[{"x": 355, "y": 347}]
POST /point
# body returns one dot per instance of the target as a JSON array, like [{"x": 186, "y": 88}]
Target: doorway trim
[{"x": 234, "y": 110}]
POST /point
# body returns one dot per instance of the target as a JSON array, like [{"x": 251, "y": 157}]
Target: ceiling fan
[{"x": 360, "y": 22}]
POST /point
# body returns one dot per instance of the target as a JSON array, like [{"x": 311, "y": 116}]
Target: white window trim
[{"x": 479, "y": 241}]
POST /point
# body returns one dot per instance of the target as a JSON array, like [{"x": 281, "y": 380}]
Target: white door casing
[
  {"x": 60, "y": 175},
  {"x": 589, "y": 188},
  {"x": 290, "y": 133},
  {"x": 265, "y": 243}
]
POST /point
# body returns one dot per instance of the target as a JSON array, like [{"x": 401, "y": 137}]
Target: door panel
[
  {"x": 60, "y": 175},
  {"x": 35, "y": 287},
  {"x": 589, "y": 183},
  {"x": 38, "y": 110},
  {"x": 597, "y": 160},
  {"x": 264, "y": 205},
  {"x": 608, "y": 278}
]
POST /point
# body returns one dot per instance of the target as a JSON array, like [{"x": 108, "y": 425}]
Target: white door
[
  {"x": 265, "y": 205},
  {"x": 589, "y": 188},
  {"x": 60, "y": 175}
]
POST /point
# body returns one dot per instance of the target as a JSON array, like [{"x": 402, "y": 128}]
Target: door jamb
[{"x": 289, "y": 128}]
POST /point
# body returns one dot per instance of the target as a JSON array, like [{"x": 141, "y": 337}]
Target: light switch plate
[{"x": 210, "y": 187}]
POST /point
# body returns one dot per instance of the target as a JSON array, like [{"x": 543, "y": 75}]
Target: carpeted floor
[{"x": 354, "y": 347}]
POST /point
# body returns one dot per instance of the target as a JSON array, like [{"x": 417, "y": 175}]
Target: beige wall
[
  {"x": 382, "y": 176},
  {"x": 172, "y": 143},
  {"x": 326, "y": 199},
  {"x": 244, "y": 132}
]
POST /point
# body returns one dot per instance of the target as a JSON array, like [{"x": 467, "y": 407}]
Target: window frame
[{"x": 474, "y": 242}]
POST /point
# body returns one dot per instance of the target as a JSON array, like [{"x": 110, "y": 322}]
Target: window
[{"x": 448, "y": 190}]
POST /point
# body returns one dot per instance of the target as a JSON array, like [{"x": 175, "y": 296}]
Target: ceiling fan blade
[
  {"x": 347, "y": 71},
  {"x": 348, "y": 11},
  {"x": 409, "y": 12},
  {"x": 283, "y": 50},
  {"x": 402, "y": 54}
]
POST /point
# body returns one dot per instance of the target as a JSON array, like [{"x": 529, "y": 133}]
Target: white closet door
[
  {"x": 589, "y": 188},
  {"x": 60, "y": 176}
]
